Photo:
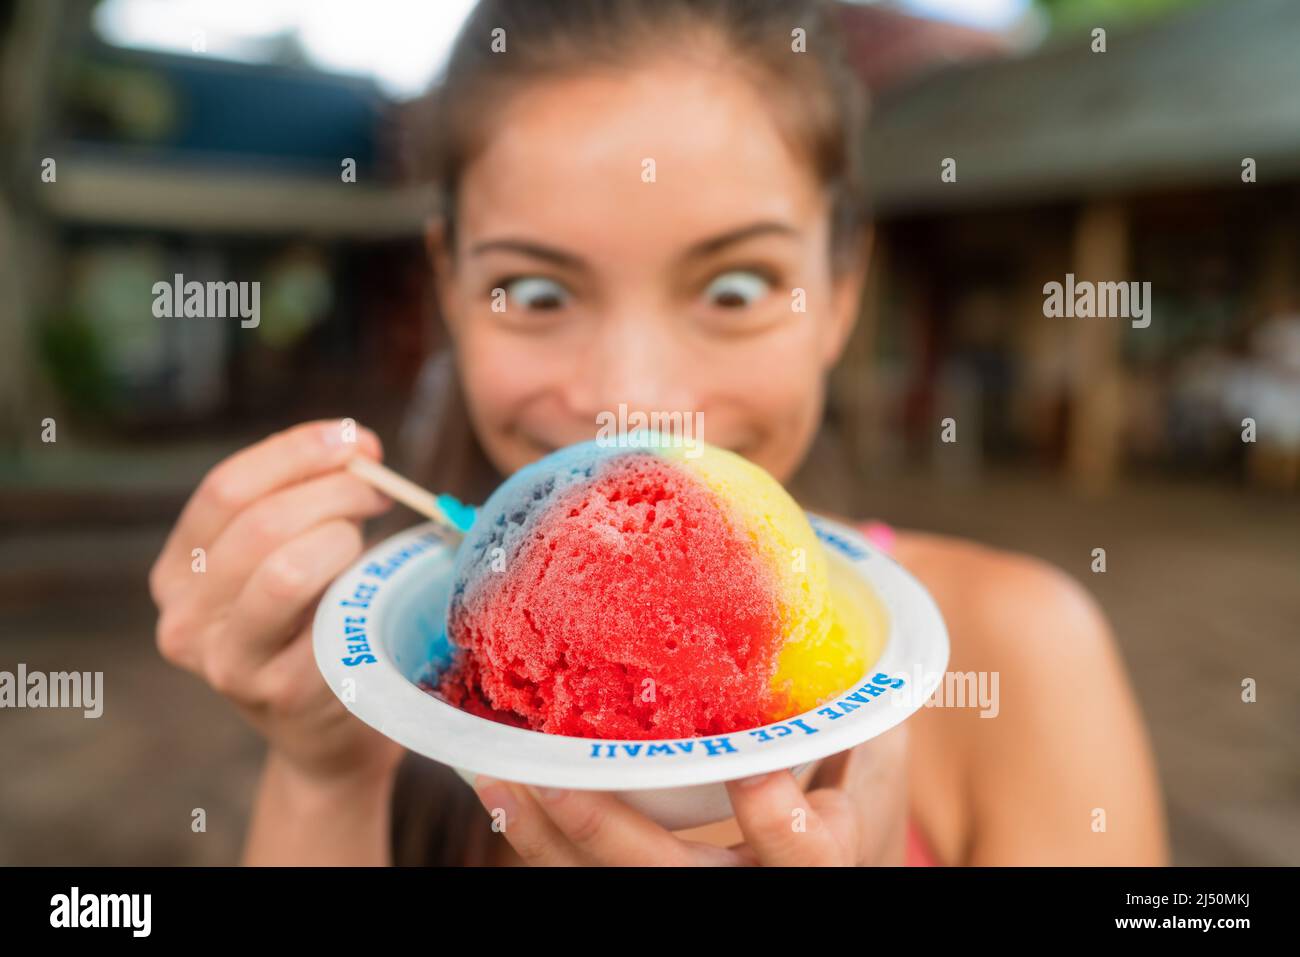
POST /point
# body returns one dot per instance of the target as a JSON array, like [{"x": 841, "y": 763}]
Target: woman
[{"x": 653, "y": 203}]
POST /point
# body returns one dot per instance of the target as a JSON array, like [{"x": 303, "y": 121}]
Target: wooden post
[{"x": 1101, "y": 254}]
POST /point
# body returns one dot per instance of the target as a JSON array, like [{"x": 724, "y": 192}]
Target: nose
[{"x": 635, "y": 359}]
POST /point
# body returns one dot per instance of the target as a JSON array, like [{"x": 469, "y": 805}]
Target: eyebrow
[{"x": 705, "y": 247}]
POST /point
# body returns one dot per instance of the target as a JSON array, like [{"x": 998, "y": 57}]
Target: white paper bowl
[{"x": 375, "y": 632}]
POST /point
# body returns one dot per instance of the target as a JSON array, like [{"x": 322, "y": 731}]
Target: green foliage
[
  {"x": 73, "y": 357},
  {"x": 1072, "y": 14}
]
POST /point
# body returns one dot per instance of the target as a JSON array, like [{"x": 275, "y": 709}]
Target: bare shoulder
[
  {"x": 1056, "y": 767},
  {"x": 1020, "y": 600}
]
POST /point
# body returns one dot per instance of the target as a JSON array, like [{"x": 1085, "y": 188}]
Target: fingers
[
  {"x": 553, "y": 826},
  {"x": 862, "y": 794},
  {"x": 875, "y": 776},
  {"x": 781, "y": 825},
  {"x": 875, "y": 770},
  {"x": 276, "y": 519},
  {"x": 282, "y": 459},
  {"x": 831, "y": 772},
  {"x": 841, "y": 818},
  {"x": 607, "y": 831},
  {"x": 277, "y": 597},
  {"x": 291, "y": 684},
  {"x": 530, "y": 832}
]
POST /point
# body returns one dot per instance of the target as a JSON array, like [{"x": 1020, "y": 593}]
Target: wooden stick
[{"x": 404, "y": 491}]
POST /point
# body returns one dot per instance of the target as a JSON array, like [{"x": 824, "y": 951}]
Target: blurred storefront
[
  {"x": 148, "y": 165},
  {"x": 1172, "y": 158}
]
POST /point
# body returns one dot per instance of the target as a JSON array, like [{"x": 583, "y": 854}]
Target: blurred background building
[{"x": 210, "y": 139}]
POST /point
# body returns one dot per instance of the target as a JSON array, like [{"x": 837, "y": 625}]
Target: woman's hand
[
  {"x": 276, "y": 522},
  {"x": 854, "y": 814}
]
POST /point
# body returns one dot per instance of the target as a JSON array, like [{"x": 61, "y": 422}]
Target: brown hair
[
  {"x": 816, "y": 97},
  {"x": 820, "y": 106}
]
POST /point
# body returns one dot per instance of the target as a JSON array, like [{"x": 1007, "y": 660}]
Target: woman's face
[{"x": 649, "y": 229}]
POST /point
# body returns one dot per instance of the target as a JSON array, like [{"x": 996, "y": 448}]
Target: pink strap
[
  {"x": 880, "y": 535},
  {"x": 918, "y": 851}
]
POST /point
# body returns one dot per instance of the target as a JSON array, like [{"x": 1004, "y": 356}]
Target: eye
[
  {"x": 737, "y": 289},
  {"x": 536, "y": 292}
]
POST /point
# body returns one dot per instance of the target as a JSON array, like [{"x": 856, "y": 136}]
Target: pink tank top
[{"x": 918, "y": 852}]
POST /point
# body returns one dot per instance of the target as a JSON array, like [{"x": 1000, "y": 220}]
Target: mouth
[{"x": 541, "y": 449}]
